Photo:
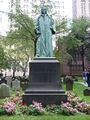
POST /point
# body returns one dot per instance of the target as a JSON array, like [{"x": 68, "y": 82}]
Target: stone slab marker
[
  {"x": 9, "y": 80},
  {"x": 16, "y": 84},
  {"x": 4, "y": 90},
  {"x": 86, "y": 92}
]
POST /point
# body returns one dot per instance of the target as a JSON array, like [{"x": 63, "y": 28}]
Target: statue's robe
[{"x": 44, "y": 29}]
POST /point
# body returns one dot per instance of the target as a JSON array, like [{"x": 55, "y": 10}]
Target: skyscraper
[{"x": 81, "y": 8}]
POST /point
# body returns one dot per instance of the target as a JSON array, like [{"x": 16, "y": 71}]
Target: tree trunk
[
  {"x": 14, "y": 70},
  {"x": 24, "y": 73},
  {"x": 27, "y": 60},
  {"x": 82, "y": 55}
]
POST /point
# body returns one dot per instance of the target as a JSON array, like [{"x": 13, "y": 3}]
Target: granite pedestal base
[{"x": 44, "y": 85}]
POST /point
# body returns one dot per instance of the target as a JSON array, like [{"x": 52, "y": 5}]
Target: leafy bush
[
  {"x": 68, "y": 109},
  {"x": 36, "y": 109},
  {"x": 24, "y": 109},
  {"x": 33, "y": 109},
  {"x": 80, "y": 105},
  {"x": 10, "y": 107},
  {"x": 2, "y": 110},
  {"x": 54, "y": 108}
]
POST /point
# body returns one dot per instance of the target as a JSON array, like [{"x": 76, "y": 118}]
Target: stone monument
[
  {"x": 16, "y": 84},
  {"x": 44, "y": 70},
  {"x": 4, "y": 90}
]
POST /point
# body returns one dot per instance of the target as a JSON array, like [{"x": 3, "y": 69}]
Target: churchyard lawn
[{"x": 77, "y": 89}]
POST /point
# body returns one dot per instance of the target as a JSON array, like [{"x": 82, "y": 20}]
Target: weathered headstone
[
  {"x": 16, "y": 84},
  {"x": 9, "y": 80},
  {"x": 86, "y": 92},
  {"x": 4, "y": 90}
]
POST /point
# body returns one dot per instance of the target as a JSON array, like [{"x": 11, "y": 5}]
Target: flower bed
[{"x": 14, "y": 106}]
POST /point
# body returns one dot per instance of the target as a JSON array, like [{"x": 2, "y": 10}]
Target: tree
[
  {"x": 64, "y": 41},
  {"x": 63, "y": 47},
  {"x": 3, "y": 58},
  {"x": 20, "y": 40},
  {"x": 79, "y": 32},
  {"x": 23, "y": 27}
]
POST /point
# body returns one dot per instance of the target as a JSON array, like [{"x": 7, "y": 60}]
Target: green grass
[
  {"x": 78, "y": 89},
  {"x": 12, "y": 92},
  {"x": 46, "y": 117}
]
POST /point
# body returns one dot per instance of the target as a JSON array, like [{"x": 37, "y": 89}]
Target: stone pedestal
[{"x": 44, "y": 82}]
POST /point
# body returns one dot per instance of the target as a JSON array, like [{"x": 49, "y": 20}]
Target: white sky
[{"x": 68, "y": 8}]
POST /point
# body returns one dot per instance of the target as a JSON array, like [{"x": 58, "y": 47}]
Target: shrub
[
  {"x": 53, "y": 108},
  {"x": 33, "y": 109},
  {"x": 24, "y": 109},
  {"x": 2, "y": 110},
  {"x": 10, "y": 107},
  {"x": 68, "y": 109}
]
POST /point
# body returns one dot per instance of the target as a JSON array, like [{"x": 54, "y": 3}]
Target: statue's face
[{"x": 44, "y": 10}]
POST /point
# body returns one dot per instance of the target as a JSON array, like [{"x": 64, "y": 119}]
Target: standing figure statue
[{"x": 44, "y": 29}]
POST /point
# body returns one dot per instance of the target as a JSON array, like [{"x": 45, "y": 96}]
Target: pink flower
[
  {"x": 10, "y": 107},
  {"x": 38, "y": 106}
]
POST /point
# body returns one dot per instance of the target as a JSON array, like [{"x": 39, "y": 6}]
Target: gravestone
[
  {"x": 86, "y": 92},
  {"x": 44, "y": 82},
  {"x": 9, "y": 80},
  {"x": 16, "y": 84},
  {"x": 4, "y": 90}
]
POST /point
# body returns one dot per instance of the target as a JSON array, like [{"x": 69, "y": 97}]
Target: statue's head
[{"x": 43, "y": 10}]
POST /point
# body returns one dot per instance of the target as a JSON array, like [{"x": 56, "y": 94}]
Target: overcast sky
[{"x": 68, "y": 8}]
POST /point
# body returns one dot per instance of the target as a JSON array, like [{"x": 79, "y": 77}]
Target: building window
[
  {"x": 83, "y": 8},
  {"x": 76, "y": 67},
  {"x": 77, "y": 57}
]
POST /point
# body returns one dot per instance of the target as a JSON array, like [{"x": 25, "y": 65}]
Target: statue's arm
[{"x": 53, "y": 26}]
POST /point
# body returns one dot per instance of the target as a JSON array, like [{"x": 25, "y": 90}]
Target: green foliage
[
  {"x": 57, "y": 109},
  {"x": 31, "y": 110},
  {"x": 2, "y": 110},
  {"x": 20, "y": 41},
  {"x": 34, "y": 111},
  {"x": 24, "y": 109},
  {"x": 53, "y": 108},
  {"x": 61, "y": 26},
  {"x": 64, "y": 45},
  {"x": 73, "y": 39},
  {"x": 23, "y": 26},
  {"x": 3, "y": 58},
  {"x": 79, "y": 27}
]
